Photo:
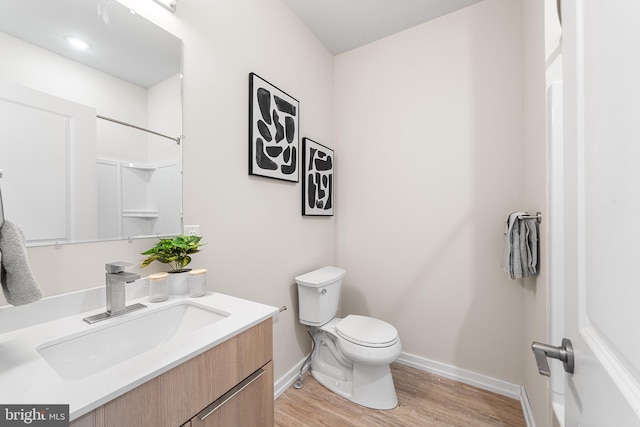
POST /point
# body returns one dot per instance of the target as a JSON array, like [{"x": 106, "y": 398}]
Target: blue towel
[
  {"x": 520, "y": 255},
  {"x": 18, "y": 284}
]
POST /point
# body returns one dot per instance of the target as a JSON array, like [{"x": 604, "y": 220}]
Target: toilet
[{"x": 351, "y": 356}]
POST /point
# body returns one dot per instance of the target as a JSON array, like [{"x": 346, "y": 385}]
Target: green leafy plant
[{"x": 176, "y": 252}]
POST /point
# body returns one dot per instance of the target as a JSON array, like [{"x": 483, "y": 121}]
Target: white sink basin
[{"x": 80, "y": 355}]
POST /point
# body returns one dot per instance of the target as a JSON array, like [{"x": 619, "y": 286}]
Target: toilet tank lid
[{"x": 321, "y": 277}]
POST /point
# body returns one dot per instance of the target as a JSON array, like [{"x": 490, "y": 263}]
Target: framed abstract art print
[
  {"x": 274, "y": 119},
  {"x": 317, "y": 180}
]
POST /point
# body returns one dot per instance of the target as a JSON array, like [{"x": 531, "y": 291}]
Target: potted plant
[{"x": 176, "y": 252}]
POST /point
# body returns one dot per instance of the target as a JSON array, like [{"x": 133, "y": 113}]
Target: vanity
[
  {"x": 184, "y": 362},
  {"x": 229, "y": 385}
]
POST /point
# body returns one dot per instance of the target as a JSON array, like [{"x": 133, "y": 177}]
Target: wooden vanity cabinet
[
  {"x": 220, "y": 377},
  {"x": 241, "y": 406}
]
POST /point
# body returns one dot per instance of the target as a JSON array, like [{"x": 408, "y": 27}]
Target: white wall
[
  {"x": 535, "y": 199},
  {"x": 258, "y": 240},
  {"x": 429, "y": 163},
  {"x": 164, "y": 115}
]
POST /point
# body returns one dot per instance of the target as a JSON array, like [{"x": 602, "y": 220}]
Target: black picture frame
[
  {"x": 274, "y": 119},
  {"x": 317, "y": 181}
]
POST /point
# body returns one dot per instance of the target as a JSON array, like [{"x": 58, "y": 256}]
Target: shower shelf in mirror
[
  {"x": 140, "y": 166},
  {"x": 136, "y": 199},
  {"x": 140, "y": 214}
]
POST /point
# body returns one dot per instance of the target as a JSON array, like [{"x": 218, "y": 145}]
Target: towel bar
[{"x": 537, "y": 217}]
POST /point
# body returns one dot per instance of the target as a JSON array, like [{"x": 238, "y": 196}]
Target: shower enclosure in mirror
[{"x": 70, "y": 173}]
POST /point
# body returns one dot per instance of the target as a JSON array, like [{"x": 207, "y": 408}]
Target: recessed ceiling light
[{"x": 77, "y": 43}]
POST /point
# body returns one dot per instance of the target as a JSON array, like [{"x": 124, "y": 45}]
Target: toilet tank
[{"x": 319, "y": 295}]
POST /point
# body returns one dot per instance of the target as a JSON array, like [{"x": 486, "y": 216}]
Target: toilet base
[
  {"x": 365, "y": 384},
  {"x": 374, "y": 387},
  {"x": 342, "y": 388}
]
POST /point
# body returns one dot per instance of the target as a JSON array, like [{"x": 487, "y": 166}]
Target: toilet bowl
[
  {"x": 351, "y": 355},
  {"x": 368, "y": 340}
]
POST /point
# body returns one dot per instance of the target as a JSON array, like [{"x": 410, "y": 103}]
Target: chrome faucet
[{"x": 116, "y": 279}]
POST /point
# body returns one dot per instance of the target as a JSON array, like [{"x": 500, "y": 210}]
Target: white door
[
  {"x": 48, "y": 155},
  {"x": 601, "y": 59}
]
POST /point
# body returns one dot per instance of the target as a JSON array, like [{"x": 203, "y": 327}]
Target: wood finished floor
[{"x": 424, "y": 400}]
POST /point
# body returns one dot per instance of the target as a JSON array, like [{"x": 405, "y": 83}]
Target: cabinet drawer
[{"x": 250, "y": 403}]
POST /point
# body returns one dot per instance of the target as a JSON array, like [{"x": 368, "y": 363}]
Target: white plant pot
[{"x": 179, "y": 282}]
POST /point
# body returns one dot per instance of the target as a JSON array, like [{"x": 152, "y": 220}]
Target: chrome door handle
[{"x": 564, "y": 353}]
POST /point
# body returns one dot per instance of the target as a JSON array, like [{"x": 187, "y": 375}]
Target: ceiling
[
  {"x": 123, "y": 44},
  {"x": 342, "y": 25}
]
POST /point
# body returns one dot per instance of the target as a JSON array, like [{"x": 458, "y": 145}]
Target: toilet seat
[{"x": 367, "y": 331}]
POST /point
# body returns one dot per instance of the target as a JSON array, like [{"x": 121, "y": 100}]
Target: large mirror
[{"x": 90, "y": 145}]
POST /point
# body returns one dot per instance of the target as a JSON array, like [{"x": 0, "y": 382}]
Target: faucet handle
[{"x": 116, "y": 267}]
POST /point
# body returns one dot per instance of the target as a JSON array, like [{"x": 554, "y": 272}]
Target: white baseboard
[
  {"x": 526, "y": 408},
  {"x": 484, "y": 382},
  {"x": 468, "y": 377},
  {"x": 285, "y": 381}
]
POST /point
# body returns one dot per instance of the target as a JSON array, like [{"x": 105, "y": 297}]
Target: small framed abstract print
[
  {"x": 273, "y": 131},
  {"x": 317, "y": 181}
]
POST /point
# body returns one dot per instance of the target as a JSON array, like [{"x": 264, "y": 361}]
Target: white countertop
[{"x": 26, "y": 378}]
